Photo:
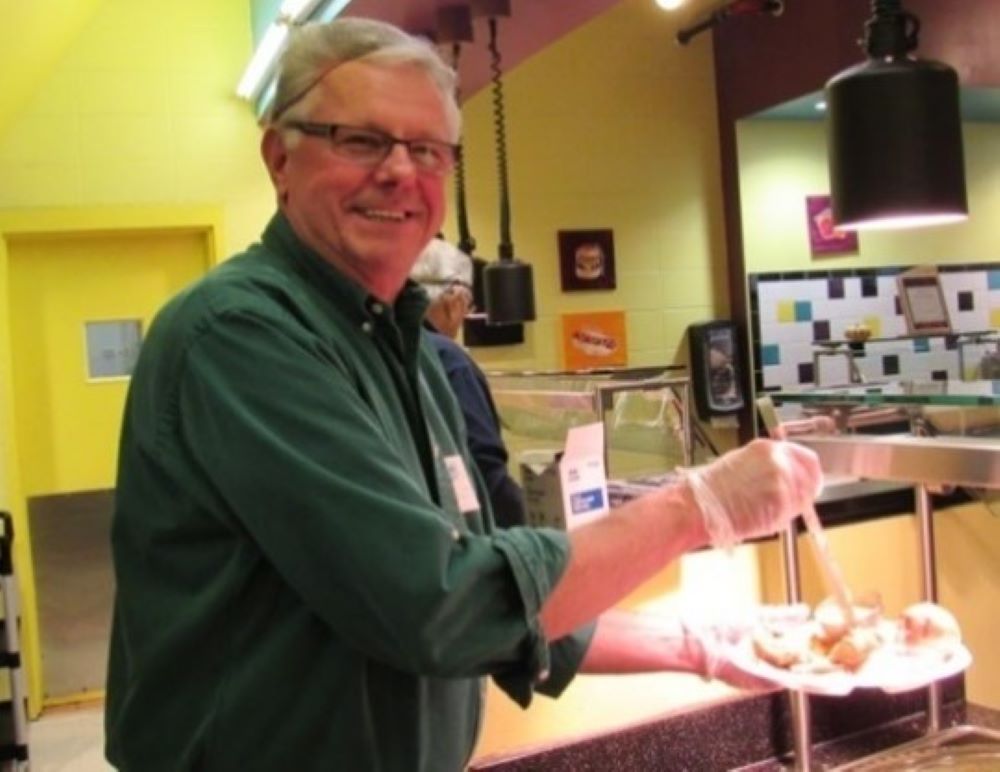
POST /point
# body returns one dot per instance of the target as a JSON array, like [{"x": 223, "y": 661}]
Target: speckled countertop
[{"x": 752, "y": 734}]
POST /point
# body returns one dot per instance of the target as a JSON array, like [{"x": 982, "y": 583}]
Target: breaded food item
[
  {"x": 867, "y": 610},
  {"x": 929, "y": 625},
  {"x": 784, "y": 645},
  {"x": 853, "y": 648}
]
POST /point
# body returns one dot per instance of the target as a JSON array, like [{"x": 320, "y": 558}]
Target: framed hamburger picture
[
  {"x": 594, "y": 339},
  {"x": 587, "y": 259}
]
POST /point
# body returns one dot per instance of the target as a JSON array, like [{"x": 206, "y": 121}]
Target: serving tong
[{"x": 832, "y": 572}]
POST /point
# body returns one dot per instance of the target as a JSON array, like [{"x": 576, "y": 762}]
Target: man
[
  {"x": 307, "y": 574},
  {"x": 445, "y": 273}
]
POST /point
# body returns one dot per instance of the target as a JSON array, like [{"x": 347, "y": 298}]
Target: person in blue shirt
[{"x": 445, "y": 273}]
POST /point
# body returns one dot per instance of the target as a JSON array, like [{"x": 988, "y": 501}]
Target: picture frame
[
  {"x": 594, "y": 340},
  {"x": 824, "y": 238},
  {"x": 586, "y": 259},
  {"x": 922, "y": 301}
]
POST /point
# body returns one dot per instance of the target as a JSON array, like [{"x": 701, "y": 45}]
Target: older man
[{"x": 308, "y": 577}]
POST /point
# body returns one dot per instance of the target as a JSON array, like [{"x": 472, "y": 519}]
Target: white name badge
[{"x": 461, "y": 484}]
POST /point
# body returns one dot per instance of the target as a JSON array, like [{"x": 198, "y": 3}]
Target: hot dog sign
[{"x": 594, "y": 339}]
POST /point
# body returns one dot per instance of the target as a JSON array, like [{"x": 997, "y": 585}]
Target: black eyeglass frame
[{"x": 449, "y": 152}]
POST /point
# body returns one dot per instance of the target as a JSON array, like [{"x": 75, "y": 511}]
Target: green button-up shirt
[{"x": 298, "y": 586}]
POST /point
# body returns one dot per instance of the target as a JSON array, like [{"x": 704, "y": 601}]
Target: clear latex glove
[
  {"x": 717, "y": 640},
  {"x": 755, "y": 490}
]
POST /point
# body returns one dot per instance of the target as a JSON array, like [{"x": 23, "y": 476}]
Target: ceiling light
[
  {"x": 262, "y": 63},
  {"x": 257, "y": 80},
  {"x": 670, "y": 5}
]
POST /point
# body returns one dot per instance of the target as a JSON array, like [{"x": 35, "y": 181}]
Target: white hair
[
  {"x": 316, "y": 48},
  {"x": 440, "y": 266}
]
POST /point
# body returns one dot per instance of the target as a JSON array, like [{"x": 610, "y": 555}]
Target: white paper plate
[{"x": 891, "y": 668}]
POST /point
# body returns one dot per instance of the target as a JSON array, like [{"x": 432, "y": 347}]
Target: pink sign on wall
[{"x": 824, "y": 238}]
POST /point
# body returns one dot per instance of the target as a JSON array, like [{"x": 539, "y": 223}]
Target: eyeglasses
[{"x": 370, "y": 148}]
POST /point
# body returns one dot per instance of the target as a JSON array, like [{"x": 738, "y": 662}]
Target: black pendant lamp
[
  {"x": 508, "y": 287},
  {"x": 454, "y": 26},
  {"x": 894, "y": 132}
]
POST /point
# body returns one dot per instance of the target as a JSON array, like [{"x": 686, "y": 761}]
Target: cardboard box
[{"x": 569, "y": 488}]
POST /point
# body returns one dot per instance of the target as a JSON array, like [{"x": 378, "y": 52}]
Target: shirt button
[
  {"x": 455, "y": 535},
  {"x": 366, "y": 327},
  {"x": 377, "y": 308}
]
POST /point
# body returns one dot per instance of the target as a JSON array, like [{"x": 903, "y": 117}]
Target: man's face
[{"x": 369, "y": 221}]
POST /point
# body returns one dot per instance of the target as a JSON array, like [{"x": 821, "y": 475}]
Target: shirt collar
[{"x": 408, "y": 309}]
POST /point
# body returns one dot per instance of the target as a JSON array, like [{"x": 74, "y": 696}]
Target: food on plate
[
  {"x": 929, "y": 625},
  {"x": 782, "y": 646},
  {"x": 866, "y": 610},
  {"x": 826, "y": 641},
  {"x": 854, "y": 647}
]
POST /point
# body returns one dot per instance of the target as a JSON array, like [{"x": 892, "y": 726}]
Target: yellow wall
[
  {"x": 32, "y": 39},
  {"x": 613, "y": 127},
  {"x": 141, "y": 110},
  {"x": 781, "y": 162}
]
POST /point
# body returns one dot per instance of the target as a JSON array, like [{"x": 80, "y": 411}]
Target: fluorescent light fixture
[
  {"x": 260, "y": 72},
  {"x": 670, "y": 5},
  {"x": 261, "y": 66}
]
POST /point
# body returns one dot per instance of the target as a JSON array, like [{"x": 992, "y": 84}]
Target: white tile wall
[{"x": 795, "y": 339}]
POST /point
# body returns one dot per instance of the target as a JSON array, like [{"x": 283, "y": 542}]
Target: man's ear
[{"x": 275, "y": 155}]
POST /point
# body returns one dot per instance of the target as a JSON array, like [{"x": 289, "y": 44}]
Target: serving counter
[{"x": 951, "y": 444}]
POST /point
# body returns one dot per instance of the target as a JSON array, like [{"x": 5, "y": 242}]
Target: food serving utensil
[
  {"x": 831, "y": 568},
  {"x": 814, "y": 527}
]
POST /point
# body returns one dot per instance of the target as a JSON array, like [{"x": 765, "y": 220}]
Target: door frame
[{"x": 204, "y": 220}]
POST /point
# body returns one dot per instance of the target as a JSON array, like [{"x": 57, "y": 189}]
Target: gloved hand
[
  {"x": 716, "y": 641},
  {"x": 755, "y": 490}
]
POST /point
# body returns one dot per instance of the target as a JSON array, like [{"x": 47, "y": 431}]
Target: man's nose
[{"x": 398, "y": 161}]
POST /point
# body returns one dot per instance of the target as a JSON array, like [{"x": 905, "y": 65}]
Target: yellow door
[{"x": 71, "y": 297}]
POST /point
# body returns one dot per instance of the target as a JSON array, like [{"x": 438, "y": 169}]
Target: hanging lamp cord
[
  {"x": 465, "y": 240},
  {"x": 506, "y": 248},
  {"x": 891, "y": 32}
]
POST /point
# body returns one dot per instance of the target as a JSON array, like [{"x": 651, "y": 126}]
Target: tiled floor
[{"x": 68, "y": 740}]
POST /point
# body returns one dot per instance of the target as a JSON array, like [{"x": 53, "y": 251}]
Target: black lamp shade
[
  {"x": 509, "y": 292},
  {"x": 894, "y": 139}
]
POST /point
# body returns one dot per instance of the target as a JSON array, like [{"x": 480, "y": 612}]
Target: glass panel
[
  {"x": 112, "y": 347},
  {"x": 943, "y": 393}
]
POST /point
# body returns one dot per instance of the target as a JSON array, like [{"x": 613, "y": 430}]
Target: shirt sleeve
[
  {"x": 303, "y": 469},
  {"x": 564, "y": 657}
]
